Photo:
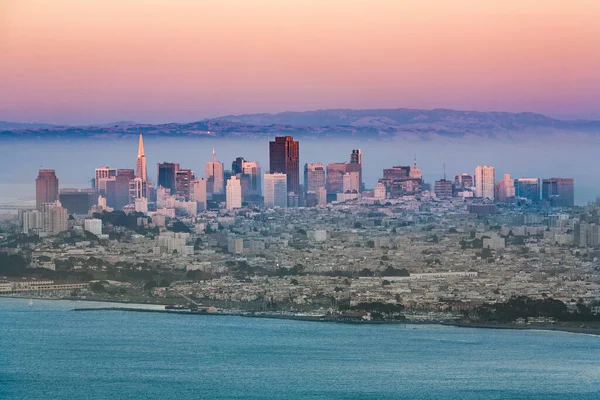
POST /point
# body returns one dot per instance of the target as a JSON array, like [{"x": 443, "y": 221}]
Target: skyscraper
[
  {"x": 213, "y": 173},
  {"x": 284, "y": 157},
  {"x": 183, "y": 181},
  {"x": 484, "y": 182},
  {"x": 46, "y": 187},
  {"x": 237, "y": 167},
  {"x": 351, "y": 182},
  {"x": 443, "y": 188},
  {"x": 356, "y": 160},
  {"x": 233, "y": 195},
  {"x": 141, "y": 171},
  {"x": 505, "y": 189},
  {"x": 335, "y": 177},
  {"x": 124, "y": 176},
  {"x": 54, "y": 218},
  {"x": 199, "y": 193},
  {"x": 166, "y": 175},
  {"x": 559, "y": 192},
  {"x": 314, "y": 176},
  {"x": 464, "y": 180},
  {"x": 252, "y": 170},
  {"x": 528, "y": 188},
  {"x": 276, "y": 192}
]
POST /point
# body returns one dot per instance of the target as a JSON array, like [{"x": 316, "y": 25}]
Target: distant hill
[
  {"x": 380, "y": 123},
  {"x": 18, "y": 125}
]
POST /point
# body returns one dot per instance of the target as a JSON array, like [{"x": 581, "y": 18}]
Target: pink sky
[{"x": 92, "y": 61}]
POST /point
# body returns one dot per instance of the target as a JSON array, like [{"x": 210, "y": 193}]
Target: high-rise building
[
  {"x": 32, "y": 222},
  {"x": 124, "y": 176},
  {"x": 140, "y": 170},
  {"x": 335, "y": 177},
  {"x": 237, "y": 167},
  {"x": 199, "y": 193},
  {"x": 276, "y": 192},
  {"x": 484, "y": 182},
  {"x": 284, "y": 157},
  {"x": 105, "y": 173},
  {"x": 75, "y": 201},
  {"x": 46, "y": 187},
  {"x": 183, "y": 180},
  {"x": 464, "y": 180},
  {"x": 253, "y": 171},
  {"x": 233, "y": 195},
  {"x": 138, "y": 189},
  {"x": 314, "y": 176},
  {"x": 166, "y": 175},
  {"x": 559, "y": 192},
  {"x": 528, "y": 188},
  {"x": 356, "y": 160},
  {"x": 54, "y": 218},
  {"x": 351, "y": 182},
  {"x": 505, "y": 189},
  {"x": 213, "y": 173},
  {"x": 443, "y": 188}
]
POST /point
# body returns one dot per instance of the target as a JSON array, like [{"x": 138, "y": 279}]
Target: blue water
[{"x": 48, "y": 352}]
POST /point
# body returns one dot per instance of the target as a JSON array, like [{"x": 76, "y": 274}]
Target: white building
[
  {"x": 252, "y": 169},
  {"x": 485, "y": 182},
  {"x": 141, "y": 205},
  {"x": 32, "y": 222},
  {"x": 54, "y": 218},
  {"x": 94, "y": 226},
  {"x": 380, "y": 191},
  {"x": 233, "y": 193},
  {"x": 322, "y": 196},
  {"x": 276, "y": 194}
]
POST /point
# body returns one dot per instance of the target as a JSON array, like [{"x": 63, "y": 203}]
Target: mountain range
[{"x": 375, "y": 123}]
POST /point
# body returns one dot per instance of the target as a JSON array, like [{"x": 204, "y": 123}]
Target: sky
[{"x": 100, "y": 61}]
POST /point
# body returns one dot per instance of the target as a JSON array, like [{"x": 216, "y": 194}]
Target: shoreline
[{"x": 556, "y": 327}]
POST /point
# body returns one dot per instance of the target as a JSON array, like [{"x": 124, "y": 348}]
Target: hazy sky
[{"x": 90, "y": 61}]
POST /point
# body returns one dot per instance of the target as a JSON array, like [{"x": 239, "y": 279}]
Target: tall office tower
[
  {"x": 560, "y": 192},
  {"x": 252, "y": 170},
  {"x": 138, "y": 189},
  {"x": 140, "y": 166},
  {"x": 183, "y": 181},
  {"x": 505, "y": 189},
  {"x": 166, "y": 175},
  {"x": 484, "y": 182},
  {"x": 314, "y": 176},
  {"x": 213, "y": 173},
  {"x": 75, "y": 201},
  {"x": 528, "y": 188},
  {"x": 54, "y": 218},
  {"x": 276, "y": 192},
  {"x": 351, "y": 182},
  {"x": 356, "y": 160},
  {"x": 199, "y": 193},
  {"x": 32, "y": 222},
  {"x": 105, "y": 173},
  {"x": 284, "y": 157},
  {"x": 124, "y": 176},
  {"x": 233, "y": 194},
  {"x": 237, "y": 167},
  {"x": 464, "y": 180},
  {"x": 335, "y": 177},
  {"x": 46, "y": 187},
  {"x": 443, "y": 188}
]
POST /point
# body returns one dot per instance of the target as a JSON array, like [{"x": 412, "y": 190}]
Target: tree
[
  {"x": 150, "y": 285},
  {"x": 97, "y": 287},
  {"x": 164, "y": 283},
  {"x": 294, "y": 282}
]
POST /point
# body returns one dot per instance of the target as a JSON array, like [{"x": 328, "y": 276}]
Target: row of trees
[{"x": 524, "y": 307}]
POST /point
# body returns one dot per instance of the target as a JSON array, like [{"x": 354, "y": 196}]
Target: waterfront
[{"x": 147, "y": 355}]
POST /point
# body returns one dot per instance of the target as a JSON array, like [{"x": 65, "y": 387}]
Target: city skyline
[{"x": 152, "y": 65}]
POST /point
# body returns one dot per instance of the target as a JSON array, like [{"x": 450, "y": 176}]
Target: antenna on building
[{"x": 444, "y": 170}]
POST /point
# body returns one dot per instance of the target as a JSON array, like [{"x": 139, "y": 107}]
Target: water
[
  {"x": 48, "y": 352},
  {"x": 75, "y": 160}
]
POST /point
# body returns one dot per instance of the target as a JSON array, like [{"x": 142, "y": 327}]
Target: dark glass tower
[
  {"x": 560, "y": 192},
  {"x": 284, "y": 157},
  {"x": 166, "y": 175}
]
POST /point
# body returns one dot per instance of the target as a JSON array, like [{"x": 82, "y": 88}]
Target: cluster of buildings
[{"x": 179, "y": 192}]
